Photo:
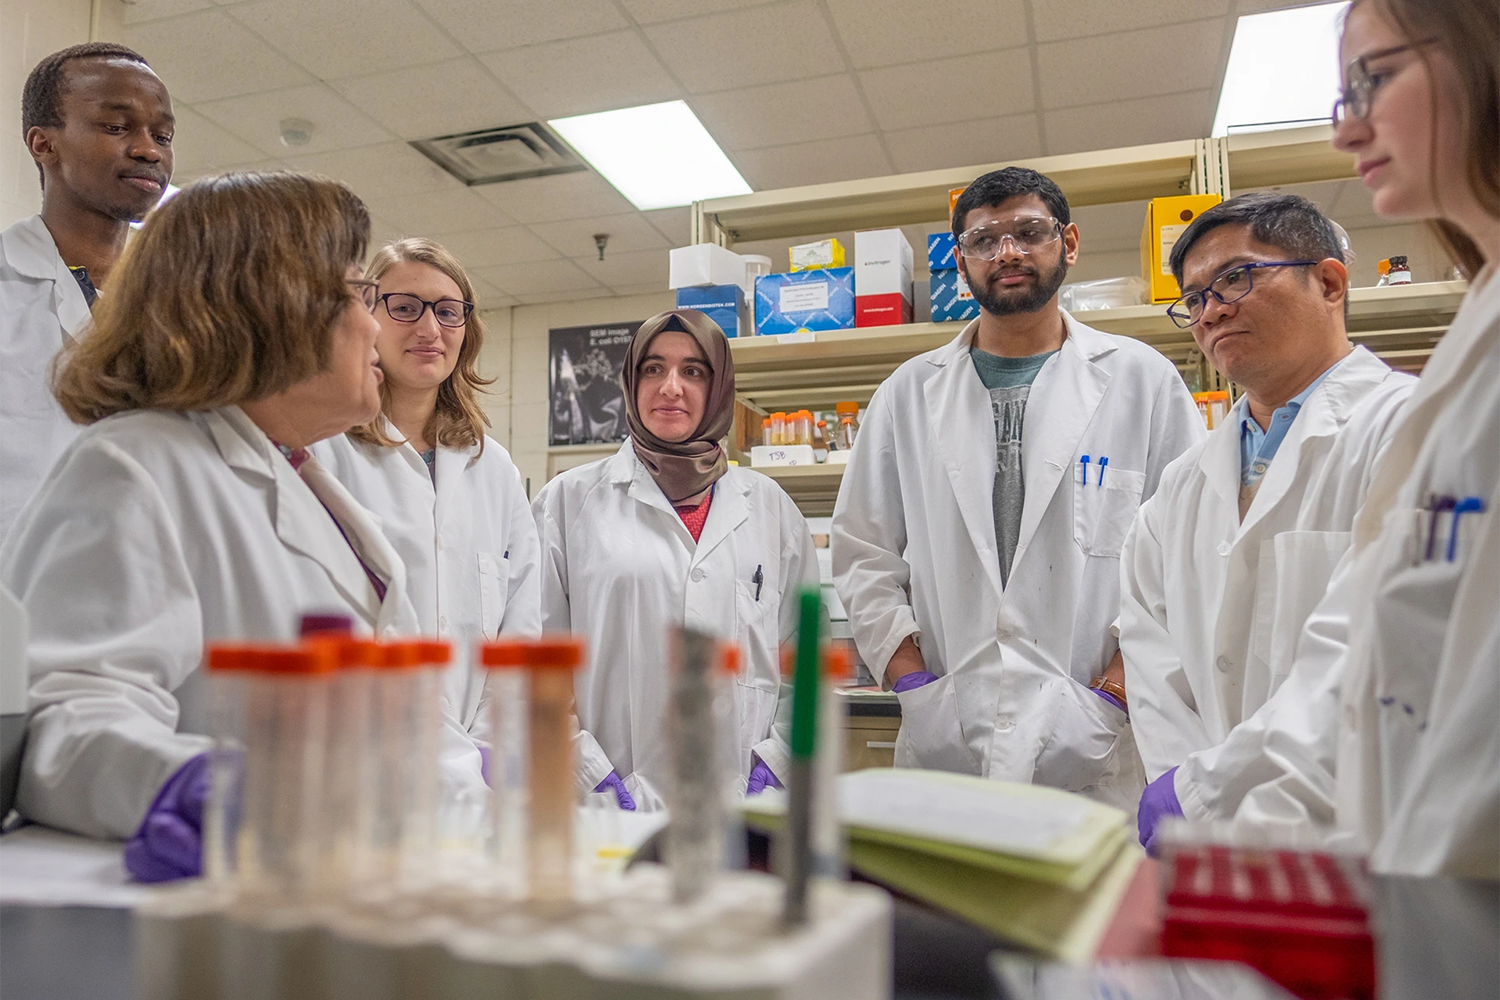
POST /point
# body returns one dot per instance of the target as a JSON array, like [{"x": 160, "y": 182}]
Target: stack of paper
[{"x": 1040, "y": 867}]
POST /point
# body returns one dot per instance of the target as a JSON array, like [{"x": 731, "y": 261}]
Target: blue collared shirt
[{"x": 1258, "y": 447}]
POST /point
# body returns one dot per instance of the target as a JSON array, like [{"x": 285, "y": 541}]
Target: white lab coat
[
  {"x": 41, "y": 309},
  {"x": 1418, "y": 765},
  {"x": 914, "y": 553},
  {"x": 155, "y": 533},
  {"x": 1211, "y": 607},
  {"x": 620, "y": 569},
  {"x": 467, "y": 540}
]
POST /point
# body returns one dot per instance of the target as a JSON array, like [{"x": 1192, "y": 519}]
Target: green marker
[{"x": 806, "y": 679}]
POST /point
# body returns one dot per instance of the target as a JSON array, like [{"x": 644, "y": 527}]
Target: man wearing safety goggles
[
  {"x": 977, "y": 534},
  {"x": 1227, "y": 561}
]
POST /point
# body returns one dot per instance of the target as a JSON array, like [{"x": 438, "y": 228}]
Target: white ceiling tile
[
  {"x": 391, "y": 168},
  {"x": 883, "y": 32},
  {"x": 581, "y": 75},
  {"x": 1056, "y": 19},
  {"x": 627, "y": 233},
  {"x": 819, "y": 162},
  {"x": 488, "y": 247},
  {"x": 441, "y": 98},
  {"x": 487, "y": 25},
  {"x": 620, "y": 270},
  {"x": 743, "y": 119},
  {"x": 1130, "y": 123},
  {"x": 655, "y": 11},
  {"x": 204, "y": 56},
  {"x": 487, "y": 296},
  {"x": 182, "y": 178},
  {"x": 256, "y": 118},
  {"x": 783, "y": 41},
  {"x": 1130, "y": 64},
  {"x": 930, "y": 93},
  {"x": 199, "y": 146},
  {"x": 382, "y": 232},
  {"x": 150, "y": 10},
  {"x": 991, "y": 140},
  {"x": 577, "y": 195},
  {"x": 334, "y": 38},
  {"x": 676, "y": 224},
  {"x": 439, "y": 213},
  {"x": 547, "y": 277}
]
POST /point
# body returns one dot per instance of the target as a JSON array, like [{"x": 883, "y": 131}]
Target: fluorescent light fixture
[
  {"x": 656, "y": 155},
  {"x": 166, "y": 196},
  {"x": 1283, "y": 70}
]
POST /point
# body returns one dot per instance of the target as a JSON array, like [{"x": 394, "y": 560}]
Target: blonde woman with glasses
[{"x": 449, "y": 498}]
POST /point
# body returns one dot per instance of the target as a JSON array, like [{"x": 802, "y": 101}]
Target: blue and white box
[
  {"x": 951, "y": 298},
  {"x": 940, "y": 252},
  {"x": 724, "y": 304},
  {"x": 805, "y": 300}
]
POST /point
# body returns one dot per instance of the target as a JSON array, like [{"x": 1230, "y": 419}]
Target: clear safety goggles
[{"x": 1027, "y": 234}]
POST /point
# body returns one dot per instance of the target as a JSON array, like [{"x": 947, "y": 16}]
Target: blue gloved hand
[
  {"x": 761, "y": 778},
  {"x": 612, "y": 783},
  {"x": 169, "y": 843},
  {"x": 913, "y": 680},
  {"x": 1159, "y": 800}
]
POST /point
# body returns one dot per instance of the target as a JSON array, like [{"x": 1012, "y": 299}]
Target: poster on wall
[{"x": 584, "y": 365}]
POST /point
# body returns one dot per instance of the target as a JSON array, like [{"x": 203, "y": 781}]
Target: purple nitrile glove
[
  {"x": 912, "y": 681},
  {"x": 169, "y": 843},
  {"x": 1159, "y": 800},
  {"x": 612, "y": 783},
  {"x": 761, "y": 778},
  {"x": 1112, "y": 700}
]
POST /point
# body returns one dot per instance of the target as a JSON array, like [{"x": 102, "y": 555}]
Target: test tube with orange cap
[
  {"x": 285, "y": 691},
  {"x": 389, "y": 766},
  {"x": 228, "y": 667},
  {"x": 828, "y": 762},
  {"x": 535, "y": 773},
  {"x": 349, "y": 700},
  {"x": 420, "y": 830}
]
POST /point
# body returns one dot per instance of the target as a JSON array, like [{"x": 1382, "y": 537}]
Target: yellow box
[
  {"x": 817, "y": 256},
  {"x": 1166, "y": 218}
]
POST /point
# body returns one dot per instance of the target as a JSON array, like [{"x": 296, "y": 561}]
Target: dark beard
[{"x": 1042, "y": 290}]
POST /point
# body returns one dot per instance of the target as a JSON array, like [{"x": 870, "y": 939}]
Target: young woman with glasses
[{"x": 449, "y": 498}]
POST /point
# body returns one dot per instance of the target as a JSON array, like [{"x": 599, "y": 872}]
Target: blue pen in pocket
[
  {"x": 1083, "y": 465},
  {"x": 1468, "y": 505},
  {"x": 1103, "y": 461}
]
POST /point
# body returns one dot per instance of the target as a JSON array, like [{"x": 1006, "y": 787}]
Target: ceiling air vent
[{"x": 491, "y": 155}]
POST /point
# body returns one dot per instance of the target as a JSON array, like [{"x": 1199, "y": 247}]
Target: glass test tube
[
  {"x": 778, "y": 428},
  {"x": 227, "y": 666},
  {"x": 733, "y": 767},
  {"x": 765, "y": 431},
  {"x": 348, "y": 739},
  {"x": 419, "y": 834},
  {"x": 286, "y": 714},
  {"x": 508, "y": 685},
  {"x": 804, "y": 427},
  {"x": 387, "y": 766},
  {"x": 695, "y": 842}
]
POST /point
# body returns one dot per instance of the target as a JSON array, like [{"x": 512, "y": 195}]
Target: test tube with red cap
[
  {"x": 285, "y": 693},
  {"x": 534, "y": 773}
]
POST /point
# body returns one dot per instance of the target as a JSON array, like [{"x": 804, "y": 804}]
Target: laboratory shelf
[{"x": 813, "y": 488}]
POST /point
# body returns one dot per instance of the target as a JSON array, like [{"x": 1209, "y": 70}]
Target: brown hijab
[{"x": 683, "y": 469}]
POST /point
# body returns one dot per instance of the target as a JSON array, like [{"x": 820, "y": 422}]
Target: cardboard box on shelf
[
  {"x": 704, "y": 264},
  {"x": 724, "y": 304},
  {"x": 1166, "y": 219},
  {"x": 951, "y": 298},
  {"x": 822, "y": 255},
  {"x": 882, "y": 278},
  {"x": 940, "y": 255},
  {"x": 805, "y": 300}
]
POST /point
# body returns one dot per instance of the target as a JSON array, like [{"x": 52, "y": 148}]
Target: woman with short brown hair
[{"x": 237, "y": 332}]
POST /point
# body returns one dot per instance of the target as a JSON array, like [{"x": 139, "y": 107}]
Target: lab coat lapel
[
  {"x": 1220, "y": 460},
  {"x": 1063, "y": 399},
  {"x": 961, "y": 419},
  {"x": 450, "y": 466},
  {"x": 363, "y": 534},
  {"x": 30, "y": 249},
  {"x": 728, "y": 511},
  {"x": 626, "y": 468},
  {"x": 301, "y": 521}
]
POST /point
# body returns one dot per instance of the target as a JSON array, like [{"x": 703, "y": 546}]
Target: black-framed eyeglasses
[
  {"x": 365, "y": 290},
  {"x": 1027, "y": 235},
  {"x": 1231, "y": 285},
  {"x": 1354, "y": 100},
  {"x": 403, "y": 307}
]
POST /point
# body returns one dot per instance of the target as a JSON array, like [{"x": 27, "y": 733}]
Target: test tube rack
[{"x": 623, "y": 939}]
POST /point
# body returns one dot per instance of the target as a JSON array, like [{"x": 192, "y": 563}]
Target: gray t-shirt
[{"x": 1009, "y": 382}]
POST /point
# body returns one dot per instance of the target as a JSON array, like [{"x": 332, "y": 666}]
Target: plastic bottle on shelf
[
  {"x": 778, "y": 429},
  {"x": 1383, "y": 267},
  {"x": 804, "y": 428},
  {"x": 765, "y": 432},
  {"x": 1400, "y": 272},
  {"x": 820, "y": 441},
  {"x": 848, "y": 424}
]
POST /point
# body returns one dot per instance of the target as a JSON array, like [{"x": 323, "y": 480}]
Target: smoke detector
[
  {"x": 492, "y": 155},
  {"x": 296, "y": 132}
]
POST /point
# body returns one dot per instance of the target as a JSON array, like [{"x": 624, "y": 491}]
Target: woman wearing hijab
[{"x": 666, "y": 533}]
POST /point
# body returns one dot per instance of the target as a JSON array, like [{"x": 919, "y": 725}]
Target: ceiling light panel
[
  {"x": 1283, "y": 69},
  {"x": 656, "y": 155}
]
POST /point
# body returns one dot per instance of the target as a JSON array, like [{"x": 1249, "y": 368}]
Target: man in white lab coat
[
  {"x": 1229, "y": 558},
  {"x": 980, "y": 564},
  {"x": 98, "y": 122}
]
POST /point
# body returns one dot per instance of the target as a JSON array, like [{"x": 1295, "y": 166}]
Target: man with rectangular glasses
[
  {"x": 977, "y": 534},
  {"x": 1228, "y": 560}
]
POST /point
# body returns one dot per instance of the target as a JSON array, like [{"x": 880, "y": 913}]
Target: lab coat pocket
[
  {"x": 1291, "y": 578},
  {"x": 1085, "y": 729},
  {"x": 755, "y": 630},
  {"x": 930, "y": 734},
  {"x": 494, "y": 579},
  {"x": 1102, "y": 515}
]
